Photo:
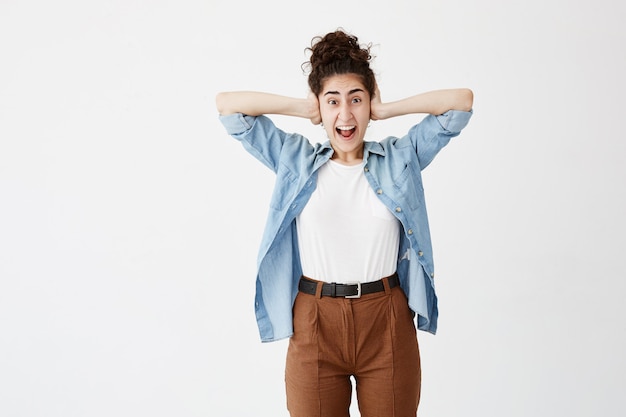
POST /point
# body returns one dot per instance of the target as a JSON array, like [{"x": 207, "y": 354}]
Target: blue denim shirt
[{"x": 392, "y": 168}]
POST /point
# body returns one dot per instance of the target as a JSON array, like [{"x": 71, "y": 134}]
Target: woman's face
[{"x": 345, "y": 110}]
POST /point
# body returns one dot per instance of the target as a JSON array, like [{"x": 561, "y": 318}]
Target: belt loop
[
  {"x": 333, "y": 289},
  {"x": 386, "y": 285},
  {"x": 318, "y": 289}
]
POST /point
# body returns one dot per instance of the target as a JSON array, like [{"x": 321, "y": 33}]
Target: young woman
[{"x": 345, "y": 267}]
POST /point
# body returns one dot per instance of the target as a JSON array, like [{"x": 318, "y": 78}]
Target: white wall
[{"x": 129, "y": 220}]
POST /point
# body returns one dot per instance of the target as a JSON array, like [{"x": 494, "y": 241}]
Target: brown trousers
[{"x": 372, "y": 338}]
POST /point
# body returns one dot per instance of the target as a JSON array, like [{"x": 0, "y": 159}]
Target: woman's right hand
[{"x": 314, "y": 109}]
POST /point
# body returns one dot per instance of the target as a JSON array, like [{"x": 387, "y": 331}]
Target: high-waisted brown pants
[{"x": 372, "y": 338}]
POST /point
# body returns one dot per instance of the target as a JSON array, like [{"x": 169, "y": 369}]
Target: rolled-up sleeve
[
  {"x": 260, "y": 137},
  {"x": 237, "y": 123},
  {"x": 454, "y": 121},
  {"x": 434, "y": 132}
]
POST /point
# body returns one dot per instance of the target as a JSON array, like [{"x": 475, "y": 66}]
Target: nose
[{"x": 344, "y": 112}]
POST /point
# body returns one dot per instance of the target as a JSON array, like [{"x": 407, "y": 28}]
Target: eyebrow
[{"x": 356, "y": 90}]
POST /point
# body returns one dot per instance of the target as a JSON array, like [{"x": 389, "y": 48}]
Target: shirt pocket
[
  {"x": 284, "y": 188},
  {"x": 408, "y": 184}
]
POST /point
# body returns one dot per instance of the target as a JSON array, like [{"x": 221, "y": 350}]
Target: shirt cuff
[
  {"x": 454, "y": 120},
  {"x": 237, "y": 123}
]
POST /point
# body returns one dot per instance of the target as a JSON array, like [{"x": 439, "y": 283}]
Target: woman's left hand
[{"x": 376, "y": 106}]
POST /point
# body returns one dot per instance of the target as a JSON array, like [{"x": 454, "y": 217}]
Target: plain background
[{"x": 129, "y": 220}]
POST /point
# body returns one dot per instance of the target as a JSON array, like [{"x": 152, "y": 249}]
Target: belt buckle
[{"x": 358, "y": 290}]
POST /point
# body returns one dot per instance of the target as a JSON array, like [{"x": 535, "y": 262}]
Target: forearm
[
  {"x": 254, "y": 103},
  {"x": 432, "y": 102}
]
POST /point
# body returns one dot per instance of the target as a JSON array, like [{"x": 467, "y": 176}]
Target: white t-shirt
[{"x": 345, "y": 234}]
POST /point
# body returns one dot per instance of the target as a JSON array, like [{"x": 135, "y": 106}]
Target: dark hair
[{"x": 338, "y": 53}]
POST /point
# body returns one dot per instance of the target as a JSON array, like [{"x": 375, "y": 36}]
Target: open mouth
[{"x": 346, "y": 131}]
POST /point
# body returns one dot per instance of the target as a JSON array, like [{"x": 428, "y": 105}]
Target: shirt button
[
  {"x": 367, "y": 169},
  {"x": 432, "y": 275},
  {"x": 410, "y": 231},
  {"x": 398, "y": 209},
  {"x": 420, "y": 253},
  {"x": 379, "y": 191}
]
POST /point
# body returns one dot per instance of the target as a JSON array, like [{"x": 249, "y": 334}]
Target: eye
[
  {"x": 356, "y": 100},
  {"x": 332, "y": 101}
]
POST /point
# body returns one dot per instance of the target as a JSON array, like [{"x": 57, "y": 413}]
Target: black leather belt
[{"x": 347, "y": 290}]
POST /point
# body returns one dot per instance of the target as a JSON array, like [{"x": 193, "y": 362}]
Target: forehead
[{"x": 342, "y": 84}]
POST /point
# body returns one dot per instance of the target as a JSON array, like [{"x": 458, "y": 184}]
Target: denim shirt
[{"x": 392, "y": 168}]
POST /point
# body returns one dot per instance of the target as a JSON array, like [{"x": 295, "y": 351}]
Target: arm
[
  {"x": 434, "y": 102},
  {"x": 254, "y": 103}
]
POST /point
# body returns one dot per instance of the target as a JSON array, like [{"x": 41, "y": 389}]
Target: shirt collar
[
  {"x": 370, "y": 147},
  {"x": 373, "y": 147}
]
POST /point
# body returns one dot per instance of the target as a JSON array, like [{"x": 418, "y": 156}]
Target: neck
[{"x": 347, "y": 159}]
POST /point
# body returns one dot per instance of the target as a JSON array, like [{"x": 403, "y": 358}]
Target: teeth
[{"x": 345, "y": 127}]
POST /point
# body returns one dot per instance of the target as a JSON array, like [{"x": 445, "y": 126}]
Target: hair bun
[
  {"x": 338, "y": 53},
  {"x": 337, "y": 46}
]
